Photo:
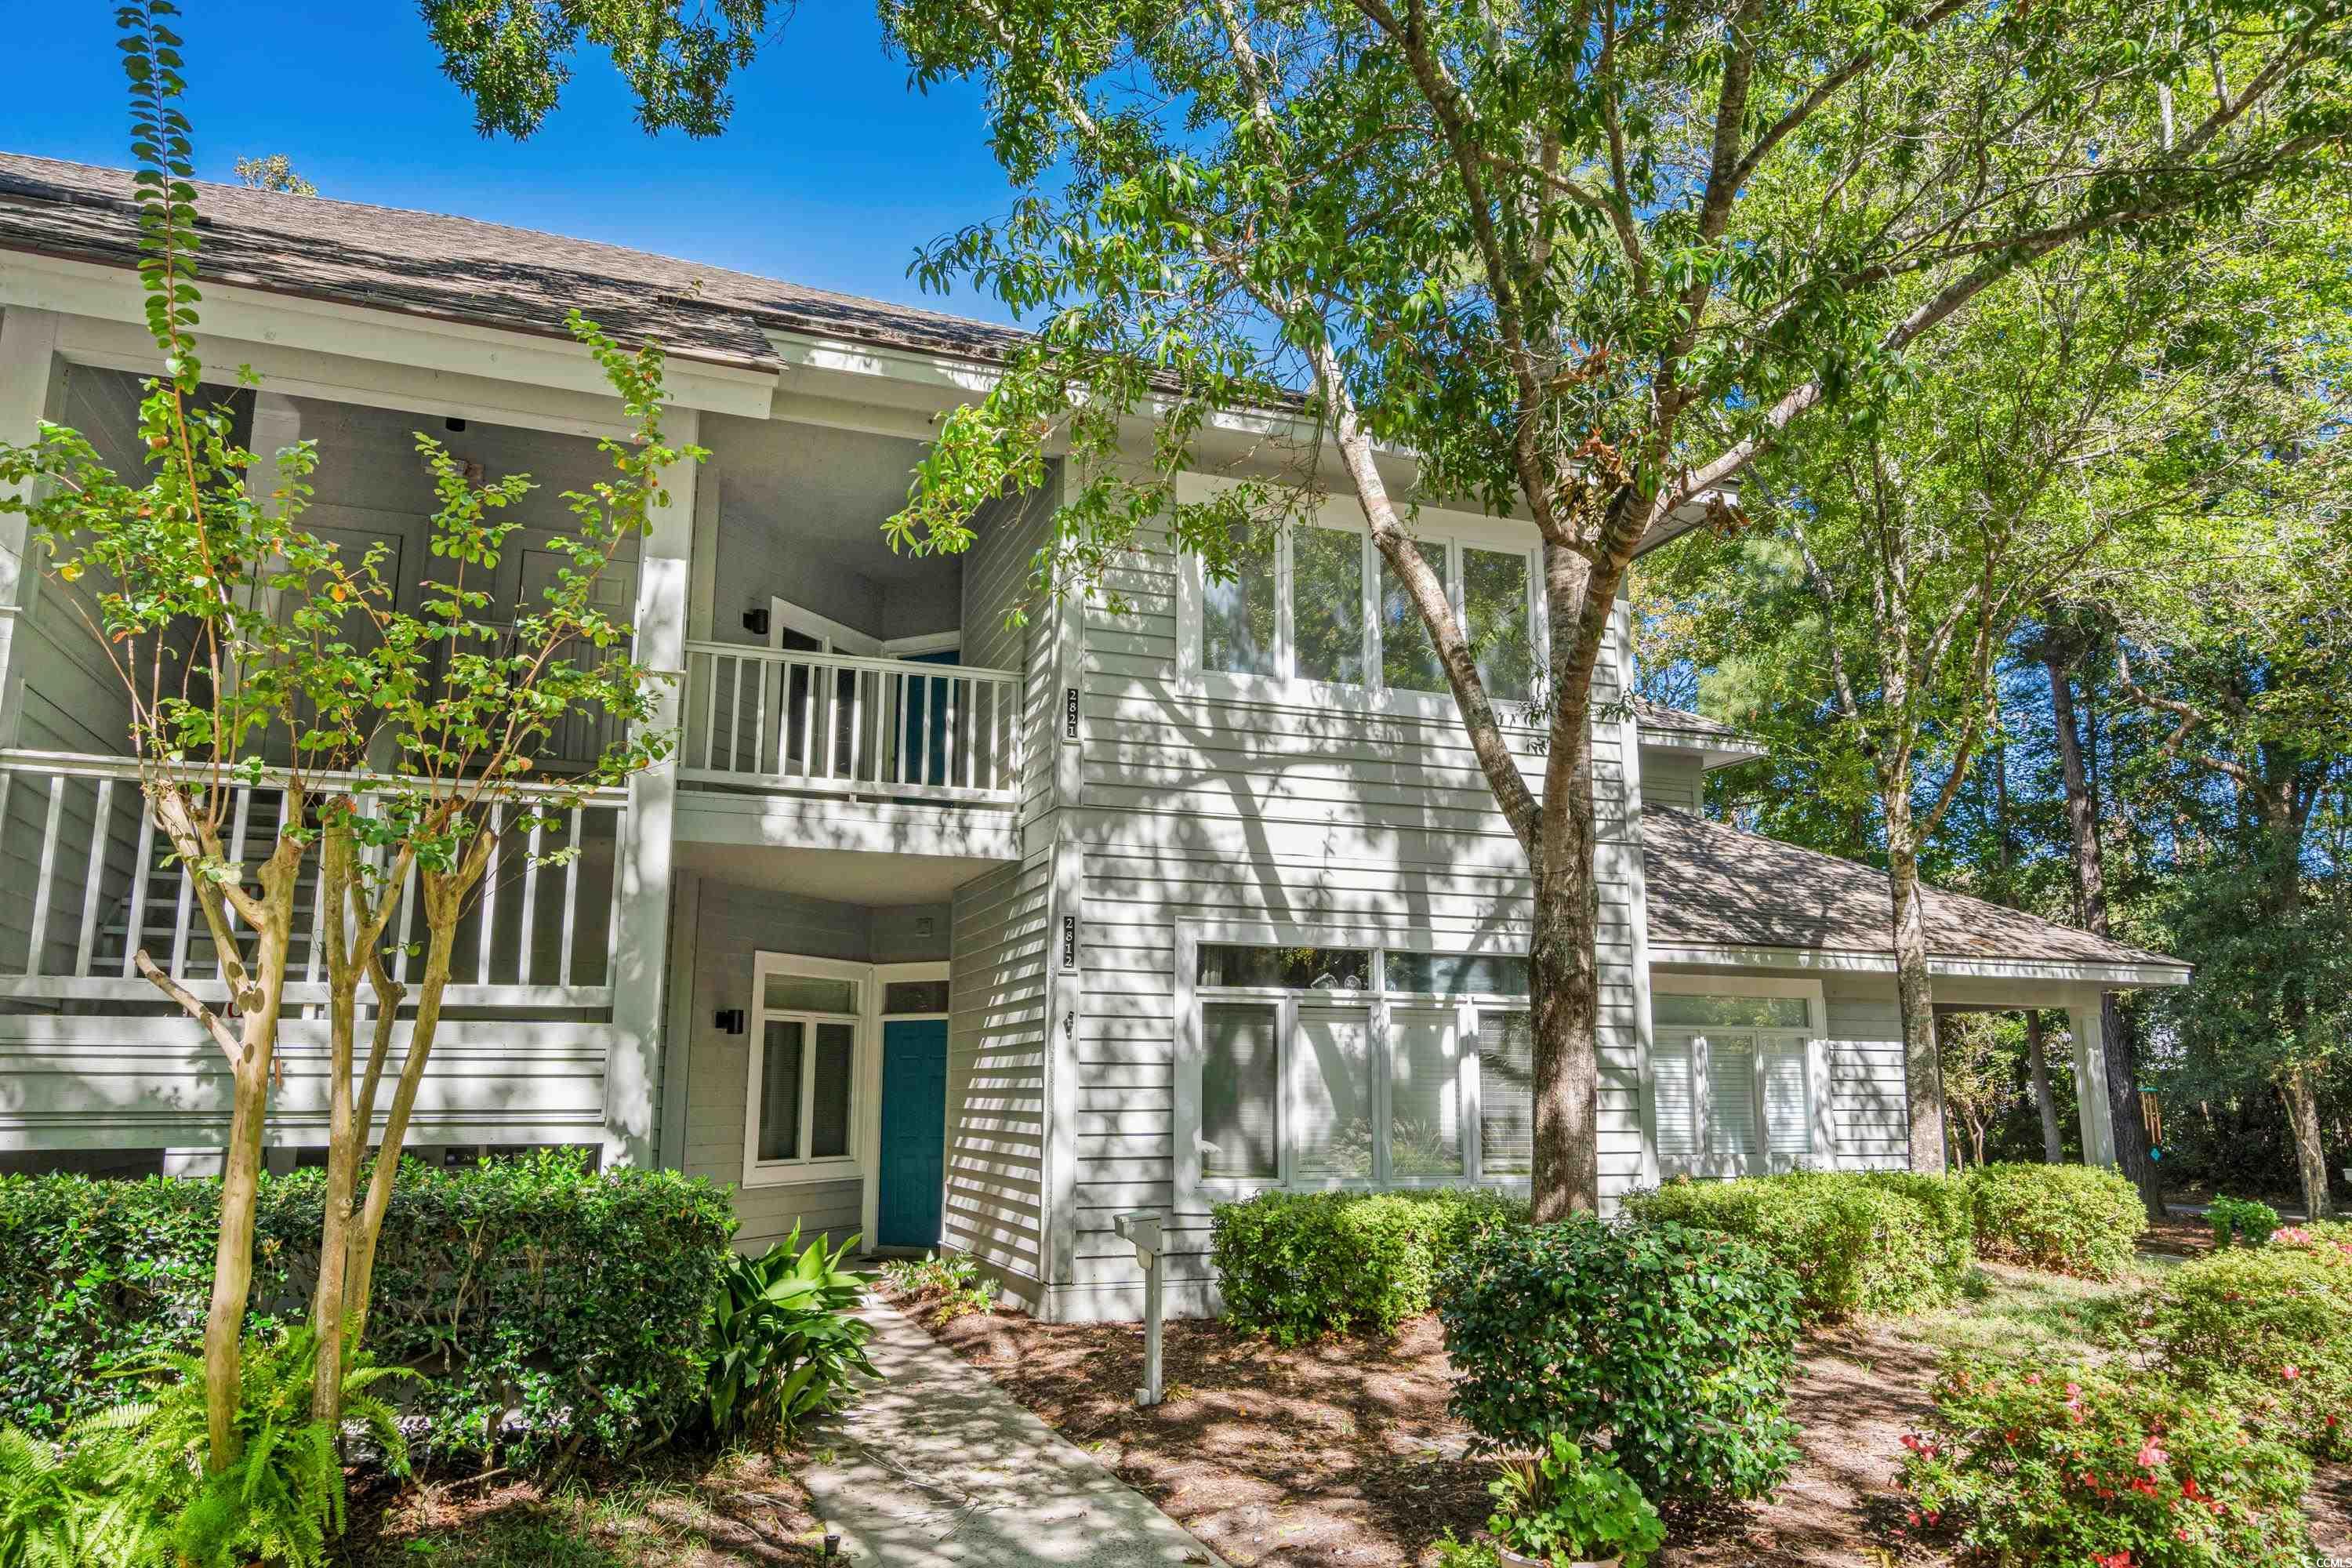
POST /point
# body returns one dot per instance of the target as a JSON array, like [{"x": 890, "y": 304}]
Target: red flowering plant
[
  {"x": 2269, "y": 1331},
  {"x": 2091, "y": 1466}
]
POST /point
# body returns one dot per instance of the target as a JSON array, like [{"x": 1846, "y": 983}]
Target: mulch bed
[{"x": 1341, "y": 1453}]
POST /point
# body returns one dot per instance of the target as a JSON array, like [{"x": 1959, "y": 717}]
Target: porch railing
[
  {"x": 831, "y": 723},
  {"x": 83, "y": 889}
]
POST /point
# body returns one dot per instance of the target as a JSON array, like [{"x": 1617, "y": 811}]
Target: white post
[
  {"x": 632, "y": 1075},
  {"x": 28, "y": 347},
  {"x": 2091, "y": 1099},
  {"x": 1142, "y": 1228}
]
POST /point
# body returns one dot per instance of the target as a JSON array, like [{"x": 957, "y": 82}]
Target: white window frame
[
  {"x": 1446, "y": 534},
  {"x": 1819, "y": 1112},
  {"x": 864, "y": 1081},
  {"x": 1378, "y": 1004}
]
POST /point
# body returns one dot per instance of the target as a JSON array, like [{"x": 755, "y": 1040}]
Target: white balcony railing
[
  {"x": 831, "y": 724},
  {"x": 75, "y": 912}
]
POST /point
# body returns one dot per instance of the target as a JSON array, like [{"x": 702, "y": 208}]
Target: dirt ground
[
  {"x": 1339, "y": 1454},
  {"x": 730, "y": 1510}
]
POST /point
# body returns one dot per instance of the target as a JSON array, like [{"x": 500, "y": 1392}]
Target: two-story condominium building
[{"x": 940, "y": 930}]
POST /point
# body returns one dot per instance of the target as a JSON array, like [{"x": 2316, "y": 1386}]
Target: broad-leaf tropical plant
[{"x": 785, "y": 1345}]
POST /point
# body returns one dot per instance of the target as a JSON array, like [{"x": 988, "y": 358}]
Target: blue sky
[{"x": 831, "y": 173}]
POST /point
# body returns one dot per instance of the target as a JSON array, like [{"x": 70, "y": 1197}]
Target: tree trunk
[
  {"x": 2310, "y": 1157},
  {"x": 2090, "y": 905},
  {"x": 444, "y": 896},
  {"x": 346, "y": 1137},
  {"x": 2037, "y": 1065},
  {"x": 1565, "y": 1013},
  {"x": 1922, "y": 1069}
]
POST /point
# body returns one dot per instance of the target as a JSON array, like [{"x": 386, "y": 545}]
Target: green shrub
[
  {"x": 542, "y": 1303},
  {"x": 1294, "y": 1266},
  {"x": 2085, "y": 1220},
  {"x": 1564, "y": 1505},
  {"x": 2270, "y": 1331},
  {"x": 2249, "y": 1220},
  {"x": 2088, "y": 1465},
  {"x": 784, "y": 1342},
  {"x": 1670, "y": 1346},
  {"x": 942, "y": 1288},
  {"x": 1875, "y": 1242}
]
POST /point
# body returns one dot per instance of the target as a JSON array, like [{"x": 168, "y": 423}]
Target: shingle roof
[
  {"x": 1713, "y": 884},
  {"x": 1657, "y": 716},
  {"x": 460, "y": 268}
]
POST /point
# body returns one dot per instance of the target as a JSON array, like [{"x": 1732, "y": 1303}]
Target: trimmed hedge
[
  {"x": 1873, "y": 1242},
  {"x": 2065, "y": 1219},
  {"x": 2270, "y": 1330},
  {"x": 1670, "y": 1346},
  {"x": 1295, "y": 1266},
  {"x": 544, "y": 1305}
]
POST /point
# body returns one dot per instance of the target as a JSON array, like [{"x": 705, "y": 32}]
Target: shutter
[
  {"x": 1424, "y": 1094},
  {"x": 1675, "y": 1096},
  {"x": 1507, "y": 1094},
  {"x": 1237, "y": 1089},
  {"x": 1731, "y": 1096},
  {"x": 1332, "y": 1055},
  {"x": 1788, "y": 1118}
]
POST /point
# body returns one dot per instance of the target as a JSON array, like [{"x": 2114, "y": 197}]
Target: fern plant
[
  {"x": 79, "y": 1503},
  {"x": 282, "y": 1499}
]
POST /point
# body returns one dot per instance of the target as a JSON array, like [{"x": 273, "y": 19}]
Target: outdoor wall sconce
[
  {"x": 729, "y": 1020},
  {"x": 756, "y": 622}
]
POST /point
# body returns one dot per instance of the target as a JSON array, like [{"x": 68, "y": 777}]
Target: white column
[
  {"x": 28, "y": 347},
  {"x": 632, "y": 1069},
  {"x": 2091, "y": 1101}
]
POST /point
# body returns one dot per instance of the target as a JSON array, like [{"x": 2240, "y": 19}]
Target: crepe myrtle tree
[
  {"x": 254, "y": 654},
  {"x": 1580, "y": 263}
]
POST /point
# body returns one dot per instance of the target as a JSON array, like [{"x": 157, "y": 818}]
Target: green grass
[{"x": 2012, "y": 1313}]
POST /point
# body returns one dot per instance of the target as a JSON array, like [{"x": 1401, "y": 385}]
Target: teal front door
[{"x": 914, "y": 1132}]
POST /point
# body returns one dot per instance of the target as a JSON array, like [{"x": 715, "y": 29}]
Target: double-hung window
[
  {"x": 805, "y": 1072},
  {"x": 1314, "y": 608},
  {"x": 1735, "y": 1082},
  {"x": 1346, "y": 1066}
]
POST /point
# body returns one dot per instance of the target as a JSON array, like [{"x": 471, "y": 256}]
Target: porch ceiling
[{"x": 844, "y": 876}]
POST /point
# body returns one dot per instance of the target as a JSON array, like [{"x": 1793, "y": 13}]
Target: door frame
[{"x": 870, "y": 1130}]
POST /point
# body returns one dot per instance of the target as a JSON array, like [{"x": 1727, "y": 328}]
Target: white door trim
[{"x": 870, "y": 1206}]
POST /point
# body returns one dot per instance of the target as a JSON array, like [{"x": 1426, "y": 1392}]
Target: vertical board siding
[{"x": 995, "y": 1207}]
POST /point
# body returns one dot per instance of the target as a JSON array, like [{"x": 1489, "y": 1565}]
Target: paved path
[{"x": 937, "y": 1465}]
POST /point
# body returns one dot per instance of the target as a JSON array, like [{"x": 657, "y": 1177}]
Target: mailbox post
[{"x": 1142, "y": 1230}]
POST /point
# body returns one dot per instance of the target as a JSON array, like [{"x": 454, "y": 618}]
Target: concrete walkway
[{"x": 936, "y": 1465}]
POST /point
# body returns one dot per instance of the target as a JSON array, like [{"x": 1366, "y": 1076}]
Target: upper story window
[{"x": 1314, "y": 605}]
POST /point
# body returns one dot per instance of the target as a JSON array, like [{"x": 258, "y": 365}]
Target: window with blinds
[
  {"x": 1327, "y": 1065},
  {"x": 1332, "y": 1096},
  {"x": 1240, "y": 1077},
  {"x": 1424, "y": 1094},
  {"x": 1674, "y": 1075},
  {"x": 1506, "y": 1093},
  {"x": 1731, "y": 1086}
]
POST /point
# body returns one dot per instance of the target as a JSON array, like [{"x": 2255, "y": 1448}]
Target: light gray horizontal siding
[
  {"x": 1673, "y": 778},
  {"x": 1371, "y": 827},
  {"x": 733, "y": 924},
  {"x": 1869, "y": 1101},
  {"x": 995, "y": 1207}
]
